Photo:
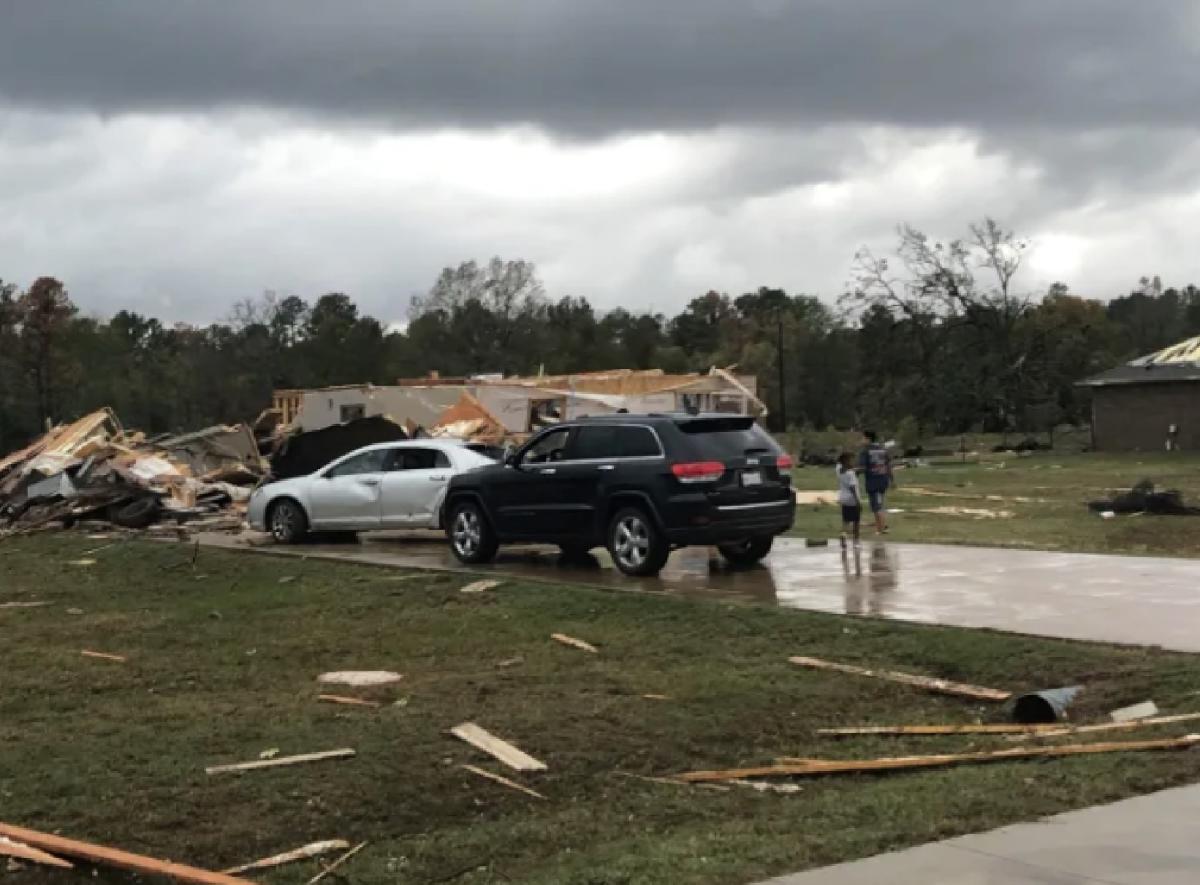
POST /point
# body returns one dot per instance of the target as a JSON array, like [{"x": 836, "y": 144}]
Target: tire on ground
[
  {"x": 637, "y": 545},
  {"x": 136, "y": 514},
  {"x": 747, "y": 552},
  {"x": 472, "y": 539}
]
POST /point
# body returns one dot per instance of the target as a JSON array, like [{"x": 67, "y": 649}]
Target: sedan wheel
[{"x": 288, "y": 523}]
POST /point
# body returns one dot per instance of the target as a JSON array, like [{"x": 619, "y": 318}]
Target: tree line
[{"x": 937, "y": 337}]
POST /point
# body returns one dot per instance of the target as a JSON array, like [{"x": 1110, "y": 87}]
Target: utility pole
[{"x": 783, "y": 425}]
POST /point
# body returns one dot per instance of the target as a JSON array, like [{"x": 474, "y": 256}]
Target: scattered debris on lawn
[
  {"x": 103, "y": 655},
  {"x": 32, "y": 604},
  {"x": 1144, "y": 498},
  {"x": 941, "y": 686},
  {"x": 788, "y": 767},
  {"x": 657, "y": 697},
  {"x": 480, "y": 586},
  {"x": 1046, "y": 706},
  {"x": 673, "y": 781},
  {"x": 1020, "y": 731},
  {"x": 1143, "y": 710},
  {"x": 973, "y": 512},
  {"x": 113, "y": 857},
  {"x": 344, "y": 753},
  {"x": 95, "y": 469},
  {"x": 574, "y": 643},
  {"x": 314, "y": 849},
  {"x": 287, "y": 579},
  {"x": 20, "y": 850},
  {"x": 359, "y": 678},
  {"x": 350, "y": 702},
  {"x": 511, "y": 662},
  {"x": 81, "y": 562},
  {"x": 269, "y": 753},
  {"x": 816, "y": 498},
  {"x": 337, "y": 863},
  {"x": 1151, "y": 722},
  {"x": 508, "y": 754},
  {"x": 500, "y": 779},
  {"x": 767, "y": 786}
]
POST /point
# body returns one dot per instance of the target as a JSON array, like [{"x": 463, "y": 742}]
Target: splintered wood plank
[
  {"x": 9, "y": 848},
  {"x": 281, "y": 761},
  {"x": 1019, "y": 730},
  {"x": 348, "y": 701},
  {"x": 113, "y": 857},
  {"x": 941, "y": 686},
  {"x": 337, "y": 863},
  {"x": 802, "y": 767},
  {"x": 574, "y": 643},
  {"x": 479, "y": 586},
  {"x": 494, "y": 746},
  {"x": 1067, "y": 730},
  {"x": 313, "y": 849},
  {"x": 500, "y": 779}
]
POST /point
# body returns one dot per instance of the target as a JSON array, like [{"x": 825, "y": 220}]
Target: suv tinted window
[
  {"x": 637, "y": 442},
  {"x": 367, "y": 462},
  {"x": 548, "y": 448},
  {"x": 416, "y": 459},
  {"x": 594, "y": 442},
  {"x": 725, "y": 438}
]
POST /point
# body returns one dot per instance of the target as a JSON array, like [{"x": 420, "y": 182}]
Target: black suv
[{"x": 641, "y": 485}]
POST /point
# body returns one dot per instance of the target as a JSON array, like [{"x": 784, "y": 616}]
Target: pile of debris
[
  {"x": 97, "y": 470},
  {"x": 1144, "y": 498}
]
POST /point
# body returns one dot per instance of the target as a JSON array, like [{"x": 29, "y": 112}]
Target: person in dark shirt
[{"x": 875, "y": 463}]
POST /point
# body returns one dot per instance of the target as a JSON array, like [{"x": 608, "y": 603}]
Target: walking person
[
  {"x": 848, "y": 498},
  {"x": 875, "y": 462}
]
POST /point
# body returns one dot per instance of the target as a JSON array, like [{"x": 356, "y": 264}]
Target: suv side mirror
[{"x": 511, "y": 459}]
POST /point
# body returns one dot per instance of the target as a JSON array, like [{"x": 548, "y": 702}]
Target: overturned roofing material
[{"x": 1179, "y": 362}]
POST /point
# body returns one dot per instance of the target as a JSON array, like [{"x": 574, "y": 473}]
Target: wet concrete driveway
[{"x": 1124, "y": 599}]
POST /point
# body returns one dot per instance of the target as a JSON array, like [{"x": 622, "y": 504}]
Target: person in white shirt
[{"x": 848, "y": 497}]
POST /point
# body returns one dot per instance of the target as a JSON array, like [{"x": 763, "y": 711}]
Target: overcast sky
[{"x": 175, "y": 156}]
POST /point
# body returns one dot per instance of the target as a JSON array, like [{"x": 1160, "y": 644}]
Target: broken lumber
[
  {"x": 114, "y": 857},
  {"x": 344, "y": 753},
  {"x": 1064, "y": 730},
  {"x": 798, "y": 767},
  {"x": 574, "y": 643},
  {"x": 1020, "y": 731},
  {"x": 494, "y": 746},
  {"x": 22, "y": 604},
  {"x": 337, "y": 863},
  {"x": 342, "y": 699},
  {"x": 479, "y": 586},
  {"x": 9, "y": 848},
  {"x": 500, "y": 779},
  {"x": 941, "y": 686},
  {"x": 313, "y": 849},
  {"x": 103, "y": 655}
]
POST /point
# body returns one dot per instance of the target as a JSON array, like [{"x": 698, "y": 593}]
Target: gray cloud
[{"x": 587, "y": 67}]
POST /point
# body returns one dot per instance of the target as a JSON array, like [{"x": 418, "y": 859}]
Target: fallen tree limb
[
  {"x": 801, "y": 767},
  {"x": 941, "y": 686},
  {"x": 113, "y": 857},
  {"x": 313, "y": 849},
  {"x": 344, "y": 753},
  {"x": 574, "y": 643},
  {"x": 500, "y": 779},
  {"x": 9, "y": 848},
  {"x": 494, "y": 746},
  {"x": 342, "y": 699}
]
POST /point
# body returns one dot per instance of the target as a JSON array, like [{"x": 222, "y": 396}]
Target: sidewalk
[{"x": 1149, "y": 840}]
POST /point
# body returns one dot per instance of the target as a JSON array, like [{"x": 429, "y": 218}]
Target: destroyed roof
[{"x": 1179, "y": 362}]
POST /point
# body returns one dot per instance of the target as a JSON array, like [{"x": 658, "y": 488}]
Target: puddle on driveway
[{"x": 1138, "y": 600}]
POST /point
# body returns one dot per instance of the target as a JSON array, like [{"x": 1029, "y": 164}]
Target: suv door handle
[
  {"x": 607, "y": 467},
  {"x": 546, "y": 471}
]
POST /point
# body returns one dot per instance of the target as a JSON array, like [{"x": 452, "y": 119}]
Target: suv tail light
[
  {"x": 698, "y": 471},
  {"x": 784, "y": 462}
]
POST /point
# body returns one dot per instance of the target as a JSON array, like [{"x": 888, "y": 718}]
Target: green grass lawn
[
  {"x": 222, "y": 660},
  {"x": 1055, "y": 516}
]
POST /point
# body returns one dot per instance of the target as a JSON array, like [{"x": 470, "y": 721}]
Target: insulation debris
[{"x": 940, "y": 686}]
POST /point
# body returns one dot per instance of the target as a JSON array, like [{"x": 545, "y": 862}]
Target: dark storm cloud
[{"x": 590, "y": 67}]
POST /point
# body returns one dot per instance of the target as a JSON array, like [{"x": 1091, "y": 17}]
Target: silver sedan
[{"x": 395, "y": 485}]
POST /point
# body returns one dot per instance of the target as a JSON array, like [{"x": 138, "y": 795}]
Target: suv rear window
[{"x": 725, "y": 438}]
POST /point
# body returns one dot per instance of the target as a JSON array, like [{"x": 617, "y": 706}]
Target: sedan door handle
[
  {"x": 546, "y": 471},
  {"x": 607, "y": 467},
  {"x": 368, "y": 482},
  {"x": 437, "y": 479}
]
